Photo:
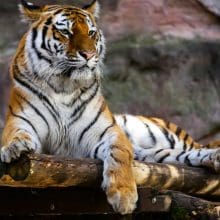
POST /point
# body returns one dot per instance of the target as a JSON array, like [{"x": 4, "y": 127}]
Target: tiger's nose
[{"x": 87, "y": 54}]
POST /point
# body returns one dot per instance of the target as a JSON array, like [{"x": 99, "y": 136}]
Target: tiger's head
[{"x": 63, "y": 41}]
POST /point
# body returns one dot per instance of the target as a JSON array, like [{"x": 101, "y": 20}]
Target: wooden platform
[
  {"x": 49, "y": 187},
  {"x": 72, "y": 201}
]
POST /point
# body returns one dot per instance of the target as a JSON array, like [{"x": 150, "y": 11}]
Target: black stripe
[
  {"x": 179, "y": 155},
  {"x": 186, "y": 137},
  {"x": 53, "y": 88},
  {"x": 80, "y": 109},
  {"x": 26, "y": 120},
  {"x": 44, "y": 34},
  {"x": 53, "y": 112},
  {"x": 153, "y": 138},
  {"x": 187, "y": 161},
  {"x": 49, "y": 21},
  {"x": 20, "y": 105},
  {"x": 36, "y": 92},
  {"x": 145, "y": 157},
  {"x": 34, "y": 36},
  {"x": 178, "y": 131},
  {"x": 36, "y": 111},
  {"x": 97, "y": 150},
  {"x": 78, "y": 116},
  {"x": 58, "y": 11},
  {"x": 54, "y": 30},
  {"x": 55, "y": 47},
  {"x": 190, "y": 147},
  {"x": 125, "y": 128},
  {"x": 48, "y": 44},
  {"x": 61, "y": 24},
  {"x": 167, "y": 124},
  {"x": 100, "y": 49},
  {"x": 106, "y": 129},
  {"x": 65, "y": 19},
  {"x": 39, "y": 55},
  {"x": 158, "y": 151},
  {"x": 85, "y": 102},
  {"x": 67, "y": 14},
  {"x": 82, "y": 91},
  {"x": 163, "y": 158},
  {"x": 114, "y": 158},
  {"x": 92, "y": 122},
  {"x": 127, "y": 135},
  {"x": 169, "y": 138},
  {"x": 201, "y": 160}
]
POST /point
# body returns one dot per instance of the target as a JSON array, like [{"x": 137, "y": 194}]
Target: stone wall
[{"x": 163, "y": 58}]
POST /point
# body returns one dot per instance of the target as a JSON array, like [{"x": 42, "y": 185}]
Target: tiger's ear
[
  {"x": 93, "y": 8},
  {"x": 30, "y": 11}
]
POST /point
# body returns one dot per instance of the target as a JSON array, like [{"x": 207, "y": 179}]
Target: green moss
[
  {"x": 147, "y": 40},
  {"x": 179, "y": 213},
  {"x": 133, "y": 40}
]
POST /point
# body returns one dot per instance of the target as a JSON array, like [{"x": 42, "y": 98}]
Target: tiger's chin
[
  {"x": 82, "y": 74},
  {"x": 72, "y": 79}
]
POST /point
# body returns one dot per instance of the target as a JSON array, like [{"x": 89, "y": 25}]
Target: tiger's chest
[{"x": 73, "y": 118}]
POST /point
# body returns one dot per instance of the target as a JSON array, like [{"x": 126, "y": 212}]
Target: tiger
[{"x": 56, "y": 105}]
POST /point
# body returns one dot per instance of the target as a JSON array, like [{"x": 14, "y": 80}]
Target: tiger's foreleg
[
  {"x": 118, "y": 179},
  {"x": 16, "y": 140}
]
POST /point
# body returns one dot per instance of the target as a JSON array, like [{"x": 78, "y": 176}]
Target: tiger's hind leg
[
  {"x": 155, "y": 140},
  {"x": 194, "y": 157}
]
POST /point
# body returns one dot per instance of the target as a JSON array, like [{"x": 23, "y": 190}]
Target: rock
[
  {"x": 211, "y": 5},
  {"x": 179, "y": 82},
  {"x": 4, "y": 87},
  {"x": 162, "y": 18}
]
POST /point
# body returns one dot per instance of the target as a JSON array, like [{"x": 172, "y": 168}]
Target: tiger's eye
[{"x": 65, "y": 32}]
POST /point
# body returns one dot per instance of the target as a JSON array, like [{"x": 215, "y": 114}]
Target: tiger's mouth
[{"x": 68, "y": 68}]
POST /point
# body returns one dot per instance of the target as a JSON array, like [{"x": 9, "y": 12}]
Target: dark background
[{"x": 163, "y": 59}]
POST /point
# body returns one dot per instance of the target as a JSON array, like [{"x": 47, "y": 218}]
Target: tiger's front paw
[
  {"x": 13, "y": 151},
  {"x": 123, "y": 199}
]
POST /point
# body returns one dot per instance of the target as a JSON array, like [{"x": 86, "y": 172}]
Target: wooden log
[
  {"x": 72, "y": 201},
  {"x": 188, "y": 207},
  {"x": 76, "y": 201},
  {"x": 41, "y": 171}
]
